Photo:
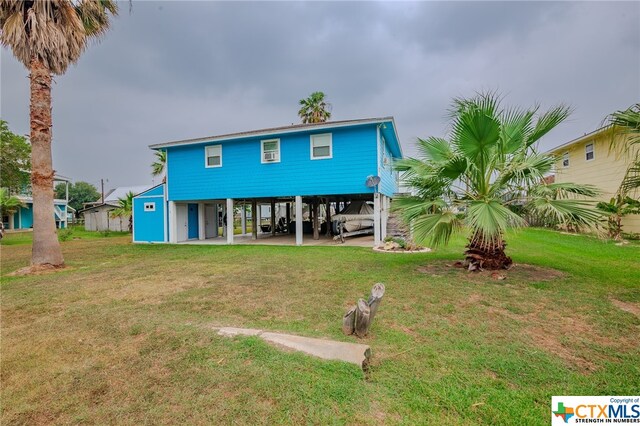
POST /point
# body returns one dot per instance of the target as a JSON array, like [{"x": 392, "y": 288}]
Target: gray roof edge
[
  {"x": 275, "y": 130},
  {"x": 579, "y": 139}
]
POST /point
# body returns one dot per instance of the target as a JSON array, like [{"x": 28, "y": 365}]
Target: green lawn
[{"x": 123, "y": 335}]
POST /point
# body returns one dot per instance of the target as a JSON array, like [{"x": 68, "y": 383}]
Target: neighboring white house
[{"x": 97, "y": 217}]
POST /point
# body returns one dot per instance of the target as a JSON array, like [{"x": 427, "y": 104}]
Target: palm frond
[
  {"x": 491, "y": 218},
  {"x": 567, "y": 211},
  {"x": 547, "y": 122},
  {"x": 563, "y": 190},
  {"x": 429, "y": 220},
  {"x": 158, "y": 166}
]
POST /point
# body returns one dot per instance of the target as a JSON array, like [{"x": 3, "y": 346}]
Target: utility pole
[{"x": 102, "y": 189}]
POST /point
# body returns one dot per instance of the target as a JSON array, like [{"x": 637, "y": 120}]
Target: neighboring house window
[
  {"x": 588, "y": 149},
  {"x": 150, "y": 207},
  {"x": 213, "y": 156},
  {"x": 565, "y": 159},
  {"x": 270, "y": 151},
  {"x": 321, "y": 146}
]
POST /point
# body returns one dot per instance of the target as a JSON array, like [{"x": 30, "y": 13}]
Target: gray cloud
[{"x": 172, "y": 70}]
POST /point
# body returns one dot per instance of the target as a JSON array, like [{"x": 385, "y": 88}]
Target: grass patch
[{"x": 125, "y": 333}]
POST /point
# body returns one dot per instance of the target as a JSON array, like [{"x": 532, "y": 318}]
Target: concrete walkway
[{"x": 326, "y": 349}]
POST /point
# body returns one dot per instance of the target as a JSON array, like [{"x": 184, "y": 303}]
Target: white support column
[
  {"x": 377, "y": 240},
  {"x": 298, "y": 220},
  {"x": 216, "y": 219},
  {"x": 201, "y": 235},
  {"x": 11, "y": 224},
  {"x": 223, "y": 207},
  {"x": 385, "y": 216},
  {"x": 173, "y": 222},
  {"x": 229, "y": 220},
  {"x": 243, "y": 218}
]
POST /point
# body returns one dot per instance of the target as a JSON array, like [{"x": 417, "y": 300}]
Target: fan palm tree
[
  {"x": 47, "y": 36},
  {"x": 488, "y": 167},
  {"x": 314, "y": 109},
  {"x": 627, "y": 123},
  {"x": 125, "y": 208},
  {"x": 158, "y": 166}
]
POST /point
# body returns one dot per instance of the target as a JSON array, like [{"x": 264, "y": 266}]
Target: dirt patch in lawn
[
  {"x": 518, "y": 272},
  {"x": 38, "y": 270},
  {"x": 632, "y": 308}
]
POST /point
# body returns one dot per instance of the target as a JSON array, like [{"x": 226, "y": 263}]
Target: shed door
[
  {"x": 193, "y": 221},
  {"x": 210, "y": 229},
  {"x": 181, "y": 222}
]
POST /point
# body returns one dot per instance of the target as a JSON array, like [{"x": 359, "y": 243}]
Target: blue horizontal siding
[
  {"x": 388, "y": 183},
  {"x": 156, "y": 190},
  {"x": 148, "y": 226},
  {"x": 242, "y": 174}
]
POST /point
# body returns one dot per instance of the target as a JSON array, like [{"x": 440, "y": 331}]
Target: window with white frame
[
  {"x": 213, "y": 156},
  {"x": 588, "y": 151},
  {"x": 270, "y": 151},
  {"x": 565, "y": 159},
  {"x": 321, "y": 146},
  {"x": 150, "y": 207}
]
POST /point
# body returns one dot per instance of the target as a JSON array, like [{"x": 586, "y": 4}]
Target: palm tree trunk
[
  {"x": 46, "y": 248},
  {"x": 482, "y": 254}
]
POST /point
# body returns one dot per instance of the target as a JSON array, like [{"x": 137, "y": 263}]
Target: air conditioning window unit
[{"x": 270, "y": 156}]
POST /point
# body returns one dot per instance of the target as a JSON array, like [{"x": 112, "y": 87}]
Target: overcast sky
[{"x": 176, "y": 70}]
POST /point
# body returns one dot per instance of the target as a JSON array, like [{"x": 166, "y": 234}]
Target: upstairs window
[
  {"x": 565, "y": 159},
  {"x": 321, "y": 146},
  {"x": 150, "y": 207},
  {"x": 588, "y": 150},
  {"x": 270, "y": 151},
  {"x": 213, "y": 156}
]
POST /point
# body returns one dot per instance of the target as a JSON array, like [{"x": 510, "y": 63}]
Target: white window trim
[
  {"x": 330, "y": 146},
  {"x": 568, "y": 158},
  {"x": 206, "y": 163},
  {"x": 262, "y": 142},
  {"x": 593, "y": 151},
  {"x": 151, "y": 204}
]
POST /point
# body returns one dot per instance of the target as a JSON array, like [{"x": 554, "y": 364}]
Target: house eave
[
  {"x": 298, "y": 128},
  {"x": 578, "y": 140}
]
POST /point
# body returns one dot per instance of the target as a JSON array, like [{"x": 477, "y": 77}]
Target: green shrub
[{"x": 65, "y": 234}]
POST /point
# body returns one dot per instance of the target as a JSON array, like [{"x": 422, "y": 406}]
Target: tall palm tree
[
  {"x": 477, "y": 178},
  {"x": 158, "y": 166},
  {"x": 125, "y": 208},
  {"x": 314, "y": 109},
  {"x": 47, "y": 36}
]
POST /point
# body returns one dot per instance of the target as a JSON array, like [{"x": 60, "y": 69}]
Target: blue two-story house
[{"x": 287, "y": 180}]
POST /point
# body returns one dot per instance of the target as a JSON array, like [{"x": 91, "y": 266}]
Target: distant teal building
[
  {"x": 23, "y": 218},
  {"x": 298, "y": 176}
]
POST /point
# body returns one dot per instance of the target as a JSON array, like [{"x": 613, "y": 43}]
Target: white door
[
  {"x": 181, "y": 222},
  {"x": 210, "y": 221}
]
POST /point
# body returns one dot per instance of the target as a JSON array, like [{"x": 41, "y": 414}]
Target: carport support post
[
  {"x": 377, "y": 240},
  {"x": 254, "y": 220},
  {"x": 316, "y": 220},
  {"x": 273, "y": 217},
  {"x": 298, "y": 220},
  {"x": 201, "y": 221},
  {"x": 288, "y": 218},
  {"x": 173, "y": 222},
  {"x": 243, "y": 218},
  {"x": 328, "y": 212},
  {"x": 229, "y": 220}
]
